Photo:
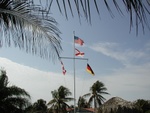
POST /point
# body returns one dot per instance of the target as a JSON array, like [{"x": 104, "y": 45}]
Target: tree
[
  {"x": 82, "y": 103},
  {"x": 39, "y": 107},
  {"x": 27, "y": 26},
  {"x": 97, "y": 89},
  {"x": 60, "y": 97},
  {"x": 12, "y": 98},
  {"x": 143, "y": 105}
]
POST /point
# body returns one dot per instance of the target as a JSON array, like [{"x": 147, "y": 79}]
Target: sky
[{"x": 119, "y": 58}]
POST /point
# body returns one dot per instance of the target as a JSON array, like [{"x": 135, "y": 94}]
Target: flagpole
[
  {"x": 74, "y": 73},
  {"x": 80, "y": 42},
  {"x": 74, "y": 58}
]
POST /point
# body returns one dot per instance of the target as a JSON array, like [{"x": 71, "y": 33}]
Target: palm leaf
[
  {"x": 3, "y": 79},
  {"x": 91, "y": 99},
  {"x": 28, "y": 27},
  {"x": 137, "y": 9},
  {"x": 87, "y": 95},
  {"x": 101, "y": 98},
  {"x": 13, "y": 90},
  {"x": 17, "y": 101},
  {"x": 97, "y": 89},
  {"x": 67, "y": 99},
  {"x": 51, "y": 102},
  {"x": 11, "y": 97},
  {"x": 60, "y": 97},
  {"x": 65, "y": 104}
]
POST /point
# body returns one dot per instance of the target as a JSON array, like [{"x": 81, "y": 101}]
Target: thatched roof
[{"x": 116, "y": 103}]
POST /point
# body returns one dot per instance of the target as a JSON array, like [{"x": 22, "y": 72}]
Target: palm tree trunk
[{"x": 94, "y": 104}]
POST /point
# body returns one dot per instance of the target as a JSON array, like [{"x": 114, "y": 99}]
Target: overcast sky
[{"x": 119, "y": 58}]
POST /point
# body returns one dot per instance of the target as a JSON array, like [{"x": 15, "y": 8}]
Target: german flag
[{"x": 89, "y": 69}]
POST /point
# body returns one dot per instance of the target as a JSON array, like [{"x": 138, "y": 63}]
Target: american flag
[{"x": 78, "y": 40}]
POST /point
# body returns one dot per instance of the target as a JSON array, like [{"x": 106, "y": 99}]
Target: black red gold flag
[{"x": 89, "y": 69}]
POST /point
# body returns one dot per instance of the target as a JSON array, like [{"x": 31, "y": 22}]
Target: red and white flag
[
  {"x": 78, "y": 53},
  {"x": 78, "y": 40},
  {"x": 63, "y": 68}
]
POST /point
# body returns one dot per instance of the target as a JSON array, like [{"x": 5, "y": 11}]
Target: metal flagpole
[
  {"x": 74, "y": 58},
  {"x": 74, "y": 73},
  {"x": 74, "y": 69}
]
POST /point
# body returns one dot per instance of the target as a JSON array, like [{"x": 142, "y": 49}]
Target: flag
[
  {"x": 78, "y": 53},
  {"x": 89, "y": 69},
  {"x": 78, "y": 40},
  {"x": 63, "y": 68}
]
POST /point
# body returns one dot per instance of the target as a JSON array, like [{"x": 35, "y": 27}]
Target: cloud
[
  {"x": 147, "y": 46},
  {"x": 129, "y": 83},
  {"x": 116, "y": 51},
  {"x": 133, "y": 78},
  {"x": 39, "y": 84},
  {"x": 108, "y": 49}
]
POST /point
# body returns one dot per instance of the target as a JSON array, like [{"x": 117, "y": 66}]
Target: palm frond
[
  {"x": 86, "y": 95},
  {"x": 67, "y": 99},
  {"x": 91, "y": 99},
  {"x": 60, "y": 97},
  {"x": 101, "y": 98},
  {"x": 16, "y": 91},
  {"x": 65, "y": 104},
  {"x": 51, "y": 102},
  {"x": 97, "y": 89},
  {"x": 63, "y": 92},
  {"x": 103, "y": 92},
  {"x": 138, "y": 9},
  {"x": 12, "y": 97},
  {"x": 3, "y": 79},
  {"x": 28, "y": 27},
  {"x": 18, "y": 102}
]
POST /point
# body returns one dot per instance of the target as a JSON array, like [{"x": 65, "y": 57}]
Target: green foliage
[
  {"x": 82, "y": 103},
  {"x": 60, "y": 97},
  {"x": 143, "y": 105},
  {"x": 12, "y": 98},
  {"x": 147, "y": 111},
  {"x": 97, "y": 90},
  {"x": 28, "y": 26},
  {"x": 37, "y": 107}
]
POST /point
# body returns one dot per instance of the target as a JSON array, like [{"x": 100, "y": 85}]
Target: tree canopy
[
  {"x": 12, "y": 98},
  {"x": 96, "y": 92}
]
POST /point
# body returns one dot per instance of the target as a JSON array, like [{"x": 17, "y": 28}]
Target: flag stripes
[
  {"x": 63, "y": 68},
  {"x": 78, "y": 40},
  {"x": 89, "y": 69},
  {"x": 78, "y": 53}
]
